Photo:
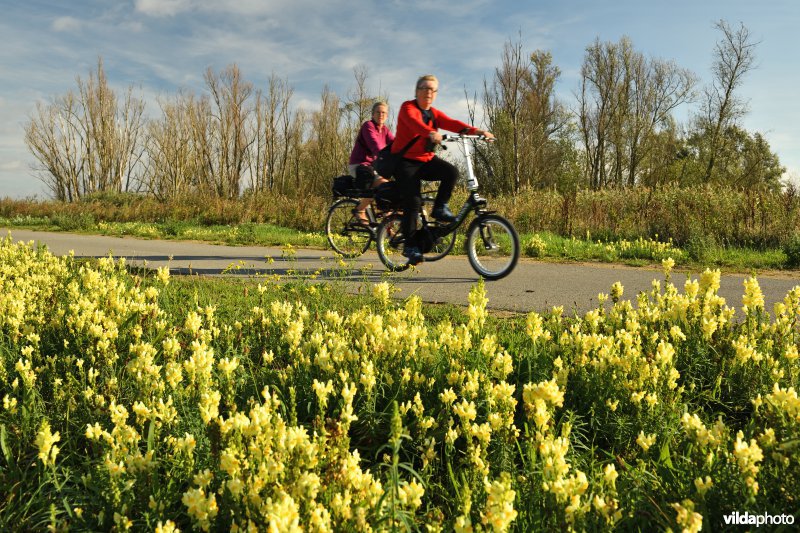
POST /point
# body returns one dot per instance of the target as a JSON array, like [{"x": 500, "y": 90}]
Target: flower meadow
[{"x": 126, "y": 407}]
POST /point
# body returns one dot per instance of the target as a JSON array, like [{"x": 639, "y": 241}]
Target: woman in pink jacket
[{"x": 373, "y": 136}]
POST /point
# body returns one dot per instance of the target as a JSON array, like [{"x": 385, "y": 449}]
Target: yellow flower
[
  {"x": 645, "y": 441},
  {"x": 10, "y": 404},
  {"x": 476, "y": 311},
  {"x": 381, "y": 292},
  {"x": 447, "y": 396},
  {"x": 45, "y": 441},
  {"x": 709, "y": 281},
  {"x": 209, "y": 405},
  {"x": 228, "y": 365},
  {"x": 610, "y": 476},
  {"x": 466, "y": 411},
  {"x": 410, "y": 494},
  {"x": 499, "y": 512},
  {"x": 703, "y": 485},
  {"x": 616, "y": 291},
  {"x": 167, "y": 527},
  {"x": 201, "y": 508},
  {"x": 667, "y": 264},
  {"x": 534, "y": 327},
  {"x": 547, "y": 391},
  {"x": 322, "y": 391},
  {"x": 753, "y": 297},
  {"x": 193, "y": 322},
  {"x": 687, "y": 518},
  {"x": 747, "y": 457},
  {"x": 676, "y": 333}
]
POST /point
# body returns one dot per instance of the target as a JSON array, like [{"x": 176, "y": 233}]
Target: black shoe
[
  {"x": 414, "y": 255},
  {"x": 442, "y": 213}
]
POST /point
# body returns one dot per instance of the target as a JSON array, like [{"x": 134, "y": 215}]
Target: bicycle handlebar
[{"x": 452, "y": 137}]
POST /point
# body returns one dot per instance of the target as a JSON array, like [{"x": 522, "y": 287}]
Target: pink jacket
[{"x": 369, "y": 142}]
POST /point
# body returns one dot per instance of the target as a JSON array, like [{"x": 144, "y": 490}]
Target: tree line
[{"x": 234, "y": 138}]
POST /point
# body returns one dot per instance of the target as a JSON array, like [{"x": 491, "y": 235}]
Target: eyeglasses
[{"x": 426, "y": 89}]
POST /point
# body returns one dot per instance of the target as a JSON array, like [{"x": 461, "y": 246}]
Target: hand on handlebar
[
  {"x": 480, "y": 134},
  {"x": 435, "y": 137}
]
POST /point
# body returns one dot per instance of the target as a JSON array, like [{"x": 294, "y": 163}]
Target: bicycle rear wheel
[
  {"x": 492, "y": 246},
  {"x": 345, "y": 234},
  {"x": 443, "y": 245},
  {"x": 445, "y": 242},
  {"x": 389, "y": 242}
]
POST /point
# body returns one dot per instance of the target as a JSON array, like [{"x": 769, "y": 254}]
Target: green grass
[{"x": 544, "y": 246}]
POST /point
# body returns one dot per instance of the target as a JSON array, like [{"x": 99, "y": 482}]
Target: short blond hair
[
  {"x": 378, "y": 104},
  {"x": 426, "y": 77}
]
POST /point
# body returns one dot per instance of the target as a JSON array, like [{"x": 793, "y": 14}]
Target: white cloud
[
  {"x": 66, "y": 24},
  {"x": 162, "y": 8},
  {"x": 8, "y": 166}
]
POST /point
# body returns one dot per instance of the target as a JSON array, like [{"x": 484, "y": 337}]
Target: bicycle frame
[
  {"x": 474, "y": 201},
  {"x": 492, "y": 243}
]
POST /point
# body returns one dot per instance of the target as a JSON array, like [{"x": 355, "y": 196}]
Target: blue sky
[{"x": 161, "y": 46}]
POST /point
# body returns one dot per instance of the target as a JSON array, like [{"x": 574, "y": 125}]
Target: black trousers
[{"x": 409, "y": 176}]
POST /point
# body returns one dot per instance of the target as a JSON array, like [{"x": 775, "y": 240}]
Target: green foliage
[
  {"x": 534, "y": 246},
  {"x": 710, "y": 223},
  {"x": 74, "y": 221},
  {"x": 699, "y": 246},
  {"x": 792, "y": 250}
]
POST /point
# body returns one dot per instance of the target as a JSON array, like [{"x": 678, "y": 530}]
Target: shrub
[
  {"x": 534, "y": 246},
  {"x": 792, "y": 250},
  {"x": 74, "y": 221}
]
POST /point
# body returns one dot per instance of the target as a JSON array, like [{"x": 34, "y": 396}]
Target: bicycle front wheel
[
  {"x": 492, "y": 246},
  {"x": 345, "y": 234},
  {"x": 390, "y": 242}
]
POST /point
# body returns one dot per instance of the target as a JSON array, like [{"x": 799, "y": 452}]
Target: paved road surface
[{"x": 533, "y": 285}]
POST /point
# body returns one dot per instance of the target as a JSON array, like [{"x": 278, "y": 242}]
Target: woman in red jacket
[{"x": 418, "y": 118}]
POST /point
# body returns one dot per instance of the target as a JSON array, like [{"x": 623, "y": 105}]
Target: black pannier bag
[
  {"x": 387, "y": 196},
  {"x": 386, "y": 162},
  {"x": 342, "y": 185},
  {"x": 364, "y": 177}
]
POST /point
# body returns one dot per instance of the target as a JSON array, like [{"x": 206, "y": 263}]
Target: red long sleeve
[{"x": 410, "y": 123}]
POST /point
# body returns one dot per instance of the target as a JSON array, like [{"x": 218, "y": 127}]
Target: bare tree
[
  {"x": 734, "y": 57},
  {"x": 659, "y": 87},
  {"x": 86, "y": 142},
  {"x": 327, "y": 147},
  {"x": 625, "y": 100},
  {"x": 52, "y": 135},
  {"x": 547, "y": 120},
  {"x": 112, "y": 133},
  {"x": 273, "y": 119},
  {"x": 359, "y": 100},
  {"x": 599, "y": 102},
  {"x": 172, "y": 157},
  {"x": 230, "y": 141},
  {"x": 504, "y": 101}
]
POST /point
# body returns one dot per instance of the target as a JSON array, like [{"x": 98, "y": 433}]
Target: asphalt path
[{"x": 532, "y": 286}]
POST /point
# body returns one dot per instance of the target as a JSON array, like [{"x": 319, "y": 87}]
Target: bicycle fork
[{"x": 487, "y": 236}]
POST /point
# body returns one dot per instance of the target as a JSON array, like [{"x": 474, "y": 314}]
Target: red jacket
[{"x": 410, "y": 123}]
